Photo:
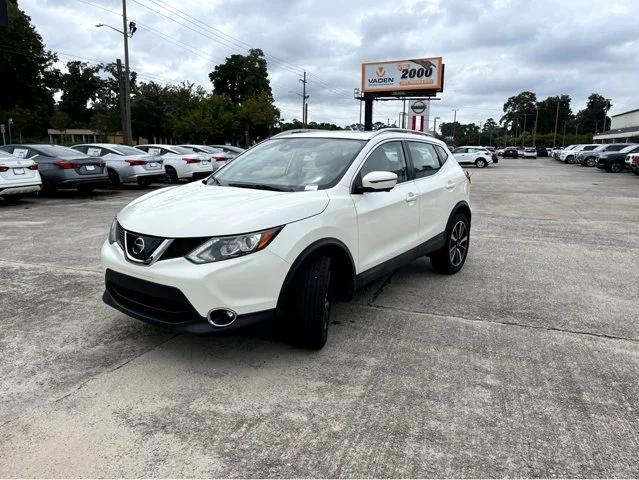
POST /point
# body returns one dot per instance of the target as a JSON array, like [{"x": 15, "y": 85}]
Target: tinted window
[
  {"x": 180, "y": 150},
  {"x": 629, "y": 149},
  {"x": 125, "y": 150},
  {"x": 443, "y": 154},
  {"x": 425, "y": 160},
  {"x": 615, "y": 148},
  {"x": 460, "y": 150},
  {"x": 590, "y": 147},
  {"x": 388, "y": 157},
  {"x": 58, "y": 151}
]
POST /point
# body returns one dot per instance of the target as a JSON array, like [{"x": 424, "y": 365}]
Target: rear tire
[
  {"x": 114, "y": 178},
  {"x": 171, "y": 175},
  {"x": 481, "y": 163},
  {"x": 451, "y": 257},
  {"x": 570, "y": 159},
  {"x": 312, "y": 303}
]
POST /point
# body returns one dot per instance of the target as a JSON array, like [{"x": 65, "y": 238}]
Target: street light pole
[{"x": 128, "y": 134}]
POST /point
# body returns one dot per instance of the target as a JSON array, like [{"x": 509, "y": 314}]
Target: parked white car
[
  {"x": 571, "y": 155},
  {"x": 181, "y": 163},
  {"x": 216, "y": 155},
  {"x": 471, "y": 155},
  {"x": 126, "y": 164},
  {"x": 18, "y": 176},
  {"x": 529, "y": 152},
  {"x": 295, "y": 222}
]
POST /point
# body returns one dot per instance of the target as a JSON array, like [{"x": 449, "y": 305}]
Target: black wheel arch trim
[
  {"x": 307, "y": 253},
  {"x": 460, "y": 206}
]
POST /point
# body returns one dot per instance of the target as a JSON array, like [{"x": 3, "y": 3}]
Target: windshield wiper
[{"x": 261, "y": 186}]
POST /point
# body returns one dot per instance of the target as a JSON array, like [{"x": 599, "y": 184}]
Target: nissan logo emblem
[{"x": 138, "y": 246}]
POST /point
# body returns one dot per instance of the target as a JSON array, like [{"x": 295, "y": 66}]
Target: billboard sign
[
  {"x": 421, "y": 74},
  {"x": 419, "y": 115}
]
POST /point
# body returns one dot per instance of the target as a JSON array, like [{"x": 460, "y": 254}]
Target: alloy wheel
[{"x": 458, "y": 244}]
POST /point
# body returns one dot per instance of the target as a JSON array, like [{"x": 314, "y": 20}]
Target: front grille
[
  {"x": 148, "y": 299},
  {"x": 178, "y": 248},
  {"x": 181, "y": 247}
]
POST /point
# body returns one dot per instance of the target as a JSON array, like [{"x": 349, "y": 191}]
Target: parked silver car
[
  {"x": 126, "y": 164},
  {"x": 63, "y": 167}
]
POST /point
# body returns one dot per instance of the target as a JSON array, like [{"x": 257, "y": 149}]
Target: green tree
[
  {"x": 80, "y": 85},
  {"x": 519, "y": 110},
  {"x": 242, "y": 76},
  {"x": 28, "y": 76},
  {"x": 548, "y": 114},
  {"x": 591, "y": 118}
]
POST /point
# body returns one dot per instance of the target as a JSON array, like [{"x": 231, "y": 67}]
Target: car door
[
  {"x": 435, "y": 188},
  {"x": 461, "y": 155},
  {"x": 387, "y": 222}
]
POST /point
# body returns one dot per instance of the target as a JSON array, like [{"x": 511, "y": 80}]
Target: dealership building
[{"x": 624, "y": 127}]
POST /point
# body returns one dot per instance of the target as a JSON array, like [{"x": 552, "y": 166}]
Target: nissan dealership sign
[{"x": 421, "y": 74}]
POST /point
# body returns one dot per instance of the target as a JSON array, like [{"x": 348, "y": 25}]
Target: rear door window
[
  {"x": 21, "y": 152},
  {"x": 94, "y": 151},
  {"x": 424, "y": 157}
]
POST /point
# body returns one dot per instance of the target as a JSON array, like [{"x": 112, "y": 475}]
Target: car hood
[{"x": 199, "y": 210}]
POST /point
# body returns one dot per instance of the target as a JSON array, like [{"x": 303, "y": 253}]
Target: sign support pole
[{"x": 368, "y": 112}]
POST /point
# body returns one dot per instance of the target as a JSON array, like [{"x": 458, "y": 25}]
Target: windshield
[
  {"x": 58, "y": 151},
  {"x": 126, "y": 150},
  {"x": 291, "y": 164}
]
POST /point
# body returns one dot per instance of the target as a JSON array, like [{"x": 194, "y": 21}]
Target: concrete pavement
[{"x": 526, "y": 363}]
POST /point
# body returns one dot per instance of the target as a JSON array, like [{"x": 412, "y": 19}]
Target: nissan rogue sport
[{"x": 286, "y": 228}]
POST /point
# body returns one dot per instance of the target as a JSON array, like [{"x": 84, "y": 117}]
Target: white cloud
[{"x": 492, "y": 48}]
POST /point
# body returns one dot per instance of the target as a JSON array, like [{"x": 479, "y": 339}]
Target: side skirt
[{"x": 387, "y": 267}]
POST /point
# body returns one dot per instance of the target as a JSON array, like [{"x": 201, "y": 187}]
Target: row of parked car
[
  {"x": 611, "y": 157},
  {"x": 28, "y": 168}
]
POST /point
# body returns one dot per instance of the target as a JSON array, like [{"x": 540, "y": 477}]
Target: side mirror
[{"x": 378, "y": 182}]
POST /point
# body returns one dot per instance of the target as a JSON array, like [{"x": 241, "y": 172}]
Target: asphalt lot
[{"x": 524, "y": 364}]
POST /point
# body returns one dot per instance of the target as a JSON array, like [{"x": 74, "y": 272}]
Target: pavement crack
[
  {"x": 381, "y": 288},
  {"x": 511, "y": 324}
]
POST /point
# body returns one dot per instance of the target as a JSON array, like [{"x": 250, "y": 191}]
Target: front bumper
[{"x": 178, "y": 294}]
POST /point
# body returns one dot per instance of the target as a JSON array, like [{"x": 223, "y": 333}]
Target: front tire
[
  {"x": 114, "y": 178},
  {"x": 171, "y": 175},
  {"x": 451, "y": 258},
  {"x": 590, "y": 162},
  {"x": 312, "y": 303},
  {"x": 481, "y": 163},
  {"x": 615, "y": 167}
]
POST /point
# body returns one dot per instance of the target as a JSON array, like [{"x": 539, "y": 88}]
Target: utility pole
[
  {"x": 563, "y": 142},
  {"x": 304, "y": 97},
  {"x": 535, "y": 129},
  {"x": 121, "y": 83},
  {"x": 128, "y": 134},
  {"x": 9, "y": 123},
  {"x": 454, "y": 123},
  {"x": 554, "y": 138},
  {"x": 479, "y": 135}
]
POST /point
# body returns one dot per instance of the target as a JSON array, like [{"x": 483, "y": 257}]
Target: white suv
[
  {"x": 469, "y": 155},
  {"x": 295, "y": 222}
]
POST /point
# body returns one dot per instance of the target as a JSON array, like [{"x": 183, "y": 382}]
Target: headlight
[
  {"x": 223, "y": 248},
  {"x": 113, "y": 233}
]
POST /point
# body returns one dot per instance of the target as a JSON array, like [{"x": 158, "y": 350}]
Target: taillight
[
  {"x": 219, "y": 158},
  {"x": 191, "y": 160},
  {"x": 64, "y": 165},
  {"x": 33, "y": 167},
  {"x": 4, "y": 169},
  {"x": 136, "y": 163}
]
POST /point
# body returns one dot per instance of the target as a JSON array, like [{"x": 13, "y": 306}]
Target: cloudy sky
[{"x": 492, "y": 48}]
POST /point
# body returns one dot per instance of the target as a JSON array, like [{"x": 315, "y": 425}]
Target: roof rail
[
  {"x": 401, "y": 130},
  {"x": 298, "y": 130}
]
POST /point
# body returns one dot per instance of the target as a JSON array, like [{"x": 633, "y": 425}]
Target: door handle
[
  {"x": 411, "y": 197},
  {"x": 450, "y": 185}
]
